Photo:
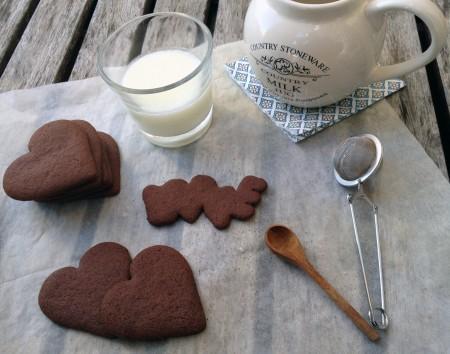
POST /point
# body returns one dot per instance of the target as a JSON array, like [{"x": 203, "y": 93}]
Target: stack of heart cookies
[{"x": 67, "y": 160}]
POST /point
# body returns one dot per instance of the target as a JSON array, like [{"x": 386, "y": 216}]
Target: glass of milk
[{"x": 160, "y": 65}]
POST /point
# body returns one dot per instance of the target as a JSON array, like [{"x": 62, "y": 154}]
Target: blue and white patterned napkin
[{"x": 300, "y": 123}]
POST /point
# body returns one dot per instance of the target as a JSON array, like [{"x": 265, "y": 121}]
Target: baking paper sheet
[{"x": 254, "y": 302}]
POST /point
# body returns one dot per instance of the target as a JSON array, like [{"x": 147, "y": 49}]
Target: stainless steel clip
[{"x": 382, "y": 310}]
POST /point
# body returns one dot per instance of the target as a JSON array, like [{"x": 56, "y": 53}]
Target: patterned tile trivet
[{"x": 300, "y": 123}]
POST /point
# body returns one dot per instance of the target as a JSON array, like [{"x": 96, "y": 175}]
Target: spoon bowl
[{"x": 285, "y": 243}]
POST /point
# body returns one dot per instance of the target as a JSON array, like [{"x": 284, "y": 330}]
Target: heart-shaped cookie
[
  {"x": 60, "y": 159},
  {"x": 72, "y": 296},
  {"x": 99, "y": 153},
  {"x": 159, "y": 301},
  {"x": 111, "y": 161},
  {"x": 153, "y": 297},
  {"x": 113, "y": 155}
]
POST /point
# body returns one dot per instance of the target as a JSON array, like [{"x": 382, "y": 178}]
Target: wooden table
[{"x": 47, "y": 41}]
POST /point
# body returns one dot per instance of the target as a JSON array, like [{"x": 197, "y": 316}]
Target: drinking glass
[{"x": 160, "y": 66}]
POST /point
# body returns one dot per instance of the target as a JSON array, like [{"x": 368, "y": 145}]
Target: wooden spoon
[{"x": 285, "y": 243}]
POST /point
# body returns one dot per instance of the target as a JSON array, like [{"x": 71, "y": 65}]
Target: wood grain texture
[
  {"x": 108, "y": 16},
  {"x": 444, "y": 58},
  {"x": 156, "y": 37},
  {"x": 14, "y": 16},
  {"x": 413, "y": 104},
  {"x": 195, "y": 8},
  {"x": 47, "y": 44},
  {"x": 230, "y": 21}
]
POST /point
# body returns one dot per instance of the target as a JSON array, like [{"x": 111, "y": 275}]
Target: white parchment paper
[{"x": 255, "y": 303}]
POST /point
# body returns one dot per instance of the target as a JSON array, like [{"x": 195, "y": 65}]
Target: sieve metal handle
[{"x": 384, "y": 323}]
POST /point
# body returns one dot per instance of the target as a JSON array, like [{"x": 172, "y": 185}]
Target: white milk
[{"x": 172, "y": 112}]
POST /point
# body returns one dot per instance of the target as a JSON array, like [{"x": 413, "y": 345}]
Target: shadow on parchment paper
[{"x": 154, "y": 347}]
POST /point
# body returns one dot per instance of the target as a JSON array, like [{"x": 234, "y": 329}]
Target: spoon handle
[{"x": 343, "y": 304}]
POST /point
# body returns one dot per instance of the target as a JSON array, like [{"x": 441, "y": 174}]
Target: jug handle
[{"x": 430, "y": 14}]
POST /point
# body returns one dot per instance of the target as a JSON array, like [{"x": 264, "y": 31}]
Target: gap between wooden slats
[
  {"x": 438, "y": 93},
  {"x": 110, "y": 15},
  {"x": 414, "y": 105},
  {"x": 45, "y": 51},
  {"x": 14, "y": 17},
  {"x": 439, "y": 76}
]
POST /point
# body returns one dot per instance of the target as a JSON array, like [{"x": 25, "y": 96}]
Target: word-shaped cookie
[{"x": 178, "y": 198}]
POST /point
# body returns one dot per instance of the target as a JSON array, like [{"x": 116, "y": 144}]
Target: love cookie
[
  {"x": 60, "y": 159},
  {"x": 178, "y": 198},
  {"x": 153, "y": 296},
  {"x": 67, "y": 160},
  {"x": 72, "y": 297},
  {"x": 160, "y": 299}
]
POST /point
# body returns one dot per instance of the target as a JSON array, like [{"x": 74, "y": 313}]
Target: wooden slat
[
  {"x": 441, "y": 82},
  {"x": 195, "y": 8},
  {"x": 155, "y": 37},
  {"x": 444, "y": 58},
  {"x": 443, "y": 72},
  {"x": 414, "y": 104},
  {"x": 108, "y": 16},
  {"x": 46, "y": 46},
  {"x": 230, "y": 21},
  {"x": 14, "y": 16}
]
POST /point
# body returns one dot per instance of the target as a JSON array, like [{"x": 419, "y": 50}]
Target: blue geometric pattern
[{"x": 300, "y": 123}]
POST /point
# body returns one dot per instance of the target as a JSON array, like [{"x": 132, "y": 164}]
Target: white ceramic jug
[{"x": 312, "y": 53}]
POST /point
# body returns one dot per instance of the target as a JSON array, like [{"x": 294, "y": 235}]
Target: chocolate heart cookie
[
  {"x": 72, "y": 296},
  {"x": 159, "y": 301},
  {"x": 153, "y": 297},
  {"x": 68, "y": 160},
  {"x": 60, "y": 159}
]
